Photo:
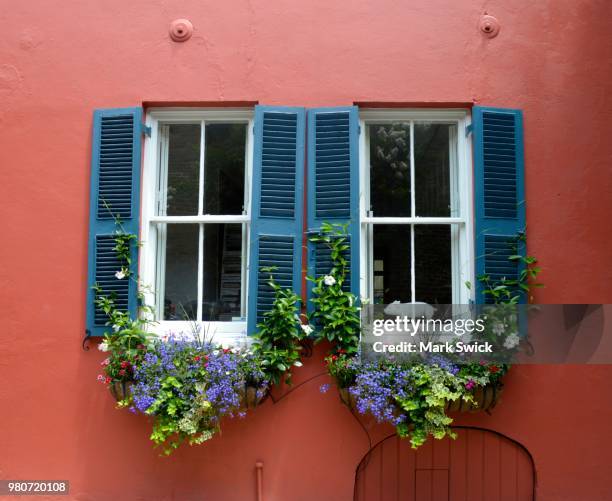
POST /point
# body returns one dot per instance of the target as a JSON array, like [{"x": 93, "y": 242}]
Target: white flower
[
  {"x": 103, "y": 346},
  {"x": 329, "y": 280},
  {"x": 297, "y": 363},
  {"x": 120, "y": 275},
  {"x": 498, "y": 328},
  {"x": 215, "y": 352},
  {"x": 512, "y": 340},
  {"x": 307, "y": 329},
  {"x": 116, "y": 328},
  {"x": 351, "y": 301}
]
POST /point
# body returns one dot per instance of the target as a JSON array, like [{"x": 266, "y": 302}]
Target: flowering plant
[
  {"x": 127, "y": 337},
  {"x": 279, "y": 334},
  {"x": 335, "y": 314},
  {"x": 413, "y": 397},
  {"x": 189, "y": 386}
]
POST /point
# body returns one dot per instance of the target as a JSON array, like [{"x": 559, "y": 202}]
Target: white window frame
[
  {"x": 462, "y": 248},
  {"x": 234, "y": 332}
]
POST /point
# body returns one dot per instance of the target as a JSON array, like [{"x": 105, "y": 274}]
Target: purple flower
[
  {"x": 375, "y": 389},
  {"x": 324, "y": 388},
  {"x": 443, "y": 363}
]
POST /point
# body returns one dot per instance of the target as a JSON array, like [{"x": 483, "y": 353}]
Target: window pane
[
  {"x": 181, "y": 272},
  {"x": 390, "y": 169},
  {"x": 222, "y": 271},
  {"x": 432, "y": 169},
  {"x": 391, "y": 266},
  {"x": 224, "y": 168},
  {"x": 432, "y": 262},
  {"x": 183, "y": 169}
]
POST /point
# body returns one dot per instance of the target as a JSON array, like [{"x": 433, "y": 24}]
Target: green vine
[
  {"x": 279, "y": 334},
  {"x": 128, "y": 338},
  {"x": 336, "y": 313},
  {"x": 512, "y": 291}
]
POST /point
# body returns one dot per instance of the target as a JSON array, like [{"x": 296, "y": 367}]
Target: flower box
[
  {"x": 485, "y": 399},
  {"x": 252, "y": 396},
  {"x": 120, "y": 390}
]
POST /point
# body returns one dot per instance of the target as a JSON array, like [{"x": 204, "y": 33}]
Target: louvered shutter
[
  {"x": 499, "y": 193},
  {"x": 115, "y": 182},
  {"x": 277, "y": 213},
  {"x": 333, "y": 185}
]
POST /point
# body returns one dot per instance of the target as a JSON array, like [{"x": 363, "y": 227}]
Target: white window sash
[
  {"x": 154, "y": 222},
  {"x": 460, "y": 223}
]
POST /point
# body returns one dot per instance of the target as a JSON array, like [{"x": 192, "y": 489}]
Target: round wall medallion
[
  {"x": 181, "y": 30},
  {"x": 489, "y": 25}
]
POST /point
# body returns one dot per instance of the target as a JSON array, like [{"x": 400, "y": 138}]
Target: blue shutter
[
  {"x": 115, "y": 180},
  {"x": 499, "y": 193},
  {"x": 333, "y": 184},
  {"x": 277, "y": 212}
]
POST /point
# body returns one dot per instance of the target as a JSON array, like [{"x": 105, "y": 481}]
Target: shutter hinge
[
  {"x": 468, "y": 130},
  {"x": 145, "y": 129},
  {"x": 359, "y": 129}
]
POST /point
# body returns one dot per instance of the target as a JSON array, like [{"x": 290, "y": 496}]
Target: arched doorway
[{"x": 480, "y": 465}]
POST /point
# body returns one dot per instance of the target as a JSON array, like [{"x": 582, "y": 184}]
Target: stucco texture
[{"x": 60, "y": 60}]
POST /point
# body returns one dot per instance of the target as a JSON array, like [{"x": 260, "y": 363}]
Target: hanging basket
[
  {"x": 485, "y": 399},
  {"x": 347, "y": 398},
  {"x": 252, "y": 396},
  {"x": 120, "y": 390}
]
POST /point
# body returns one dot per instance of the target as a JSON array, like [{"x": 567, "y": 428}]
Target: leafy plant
[
  {"x": 279, "y": 334},
  {"x": 512, "y": 290},
  {"x": 336, "y": 314},
  {"x": 413, "y": 396},
  {"x": 127, "y": 337},
  {"x": 189, "y": 386}
]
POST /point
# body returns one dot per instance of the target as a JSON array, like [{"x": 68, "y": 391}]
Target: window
[
  {"x": 415, "y": 207},
  {"x": 195, "y": 221},
  {"x": 223, "y": 193}
]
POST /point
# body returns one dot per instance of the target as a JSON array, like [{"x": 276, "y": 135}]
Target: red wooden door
[{"x": 479, "y": 465}]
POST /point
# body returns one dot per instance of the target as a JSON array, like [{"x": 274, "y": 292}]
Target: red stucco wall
[{"x": 60, "y": 60}]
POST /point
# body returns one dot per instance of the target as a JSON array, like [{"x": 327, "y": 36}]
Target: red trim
[
  {"x": 199, "y": 104},
  {"x": 408, "y": 104}
]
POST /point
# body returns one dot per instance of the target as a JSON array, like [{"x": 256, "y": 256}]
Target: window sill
[{"x": 224, "y": 333}]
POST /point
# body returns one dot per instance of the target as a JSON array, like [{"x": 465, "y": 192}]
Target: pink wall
[{"x": 59, "y": 61}]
